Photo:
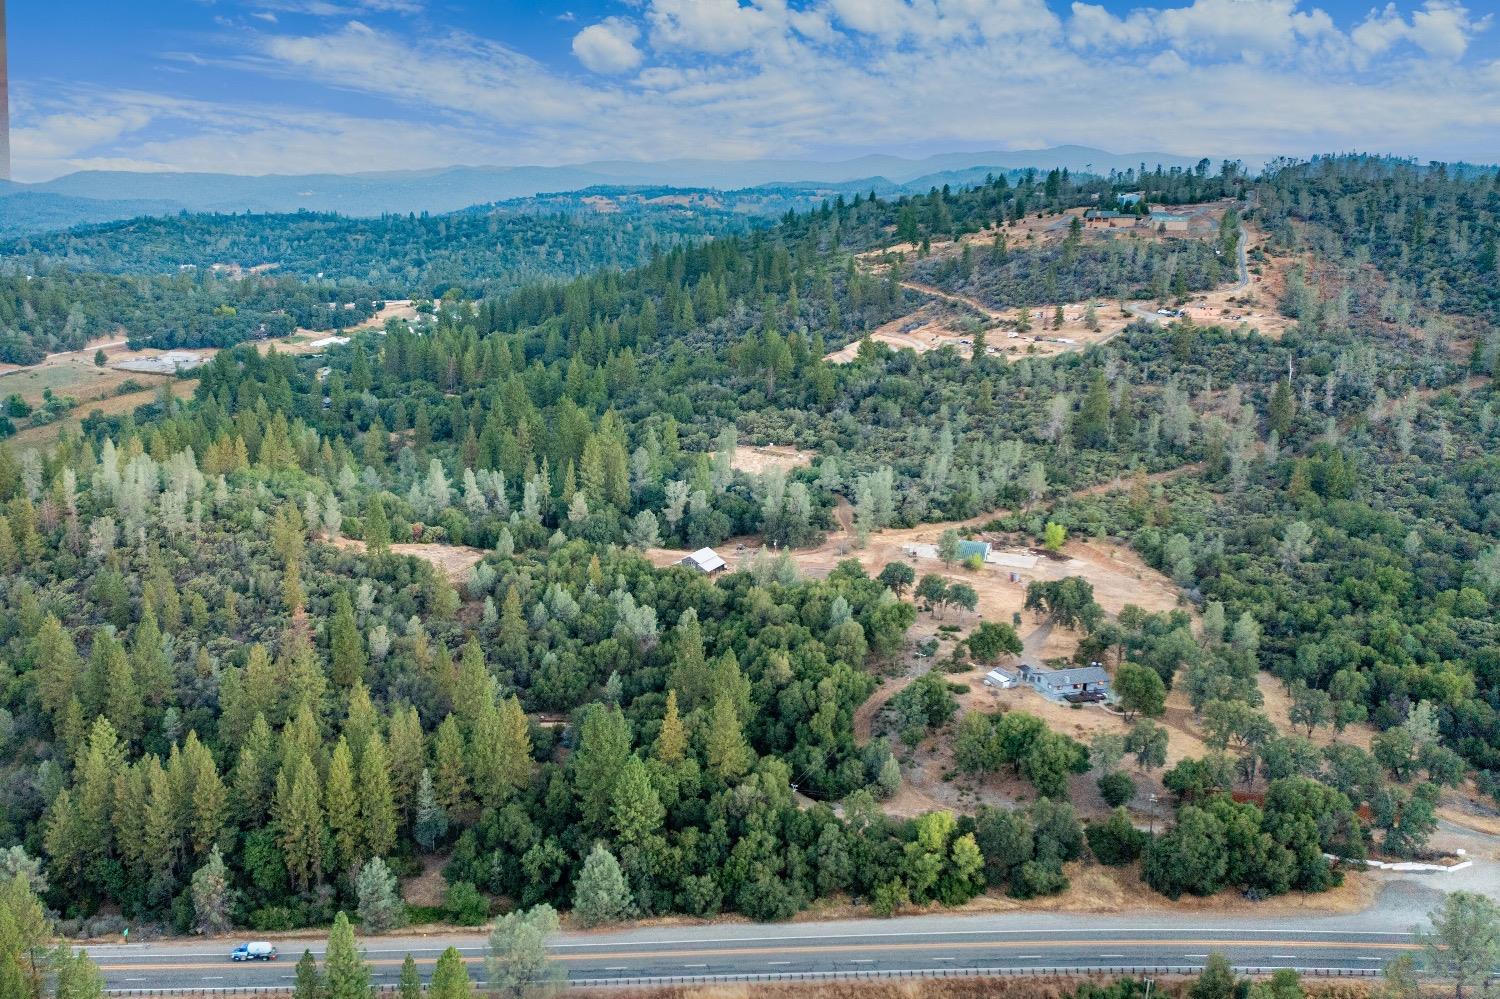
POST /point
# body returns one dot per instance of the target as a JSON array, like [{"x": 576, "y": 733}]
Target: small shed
[
  {"x": 705, "y": 560},
  {"x": 998, "y": 677},
  {"x": 969, "y": 549}
]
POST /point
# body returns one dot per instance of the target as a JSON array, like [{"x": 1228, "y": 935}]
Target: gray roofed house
[
  {"x": 1069, "y": 680},
  {"x": 704, "y": 560}
]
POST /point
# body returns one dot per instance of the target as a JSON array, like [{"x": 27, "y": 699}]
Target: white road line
[
  {"x": 1111, "y": 955},
  {"x": 774, "y": 964},
  {"x": 1195, "y": 955},
  {"x": 1378, "y": 960},
  {"x": 618, "y": 968},
  {"x": 864, "y": 961},
  {"x": 132, "y": 979},
  {"x": 695, "y": 965},
  {"x": 213, "y": 978},
  {"x": 1284, "y": 957},
  {"x": 944, "y": 959},
  {"x": 1028, "y": 957},
  {"x": 1094, "y": 932}
]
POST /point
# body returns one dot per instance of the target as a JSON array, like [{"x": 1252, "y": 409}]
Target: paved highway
[{"x": 923, "y": 944}]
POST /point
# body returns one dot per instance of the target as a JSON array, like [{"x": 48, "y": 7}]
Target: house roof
[
  {"x": 1169, "y": 217},
  {"x": 969, "y": 548},
  {"x": 1071, "y": 675},
  {"x": 705, "y": 559}
]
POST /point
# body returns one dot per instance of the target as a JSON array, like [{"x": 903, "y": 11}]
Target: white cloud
[
  {"x": 713, "y": 26},
  {"x": 63, "y": 134},
  {"x": 609, "y": 46},
  {"x": 821, "y": 78},
  {"x": 1094, "y": 27},
  {"x": 1441, "y": 28}
]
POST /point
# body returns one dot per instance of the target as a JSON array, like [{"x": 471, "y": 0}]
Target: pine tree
[
  {"x": 636, "y": 811},
  {"x": 377, "y": 527},
  {"x": 208, "y": 797},
  {"x": 120, "y": 700},
  {"x": 407, "y": 752},
  {"x": 690, "y": 675},
  {"x": 724, "y": 744},
  {"x": 410, "y": 985},
  {"x": 298, "y": 814},
  {"x": 380, "y": 905},
  {"x": 161, "y": 834},
  {"x": 345, "y": 646},
  {"x": 600, "y": 895},
  {"x": 450, "y": 774},
  {"x": 518, "y": 964},
  {"x": 77, "y": 977},
  {"x": 342, "y": 805},
  {"x": 450, "y": 977},
  {"x": 344, "y": 967},
  {"x": 431, "y": 822},
  {"x": 212, "y": 896},
  {"x": 1283, "y": 409},
  {"x": 59, "y": 669},
  {"x": 671, "y": 741},
  {"x": 377, "y": 809},
  {"x": 603, "y": 750},
  {"x": 309, "y": 981}
]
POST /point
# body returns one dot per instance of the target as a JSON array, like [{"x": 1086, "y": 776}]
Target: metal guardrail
[{"x": 386, "y": 989}]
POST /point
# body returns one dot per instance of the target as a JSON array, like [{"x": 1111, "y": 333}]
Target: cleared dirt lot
[
  {"x": 453, "y": 561},
  {"x": 1254, "y": 306},
  {"x": 758, "y": 459}
]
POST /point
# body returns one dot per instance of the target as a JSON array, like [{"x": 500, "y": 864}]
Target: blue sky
[{"x": 293, "y": 86}]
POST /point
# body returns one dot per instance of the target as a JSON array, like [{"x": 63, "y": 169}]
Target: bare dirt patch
[
  {"x": 1253, "y": 305},
  {"x": 429, "y": 887},
  {"x": 758, "y": 459},
  {"x": 927, "y": 328},
  {"x": 453, "y": 561}
]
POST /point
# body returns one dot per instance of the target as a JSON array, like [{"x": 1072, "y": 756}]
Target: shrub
[
  {"x": 1116, "y": 787},
  {"x": 1115, "y": 841},
  {"x": 273, "y": 917},
  {"x": 1035, "y": 878},
  {"x": 465, "y": 905}
]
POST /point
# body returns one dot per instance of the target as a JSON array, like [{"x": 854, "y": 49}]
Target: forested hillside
[
  {"x": 59, "y": 309},
  {"x": 394, "y": 256},
  {"x": 216, "y": 651}
]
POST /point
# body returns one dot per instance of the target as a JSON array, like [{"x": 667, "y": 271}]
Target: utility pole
[{"x": 4, "y": 100}]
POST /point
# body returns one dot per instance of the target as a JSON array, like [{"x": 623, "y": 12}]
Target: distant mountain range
[{"x": 105, "y": 195}]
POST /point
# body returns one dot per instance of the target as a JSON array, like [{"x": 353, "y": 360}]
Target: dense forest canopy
[
  {"x": 213, "y": 647},
  {"x": 394, "y": 256},
  {"x": 59, "y": 309}
]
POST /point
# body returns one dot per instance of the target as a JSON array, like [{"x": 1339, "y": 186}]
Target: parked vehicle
[
  {"x": 1084, "y": 697},
  {"x": 255, "y": 950}
]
